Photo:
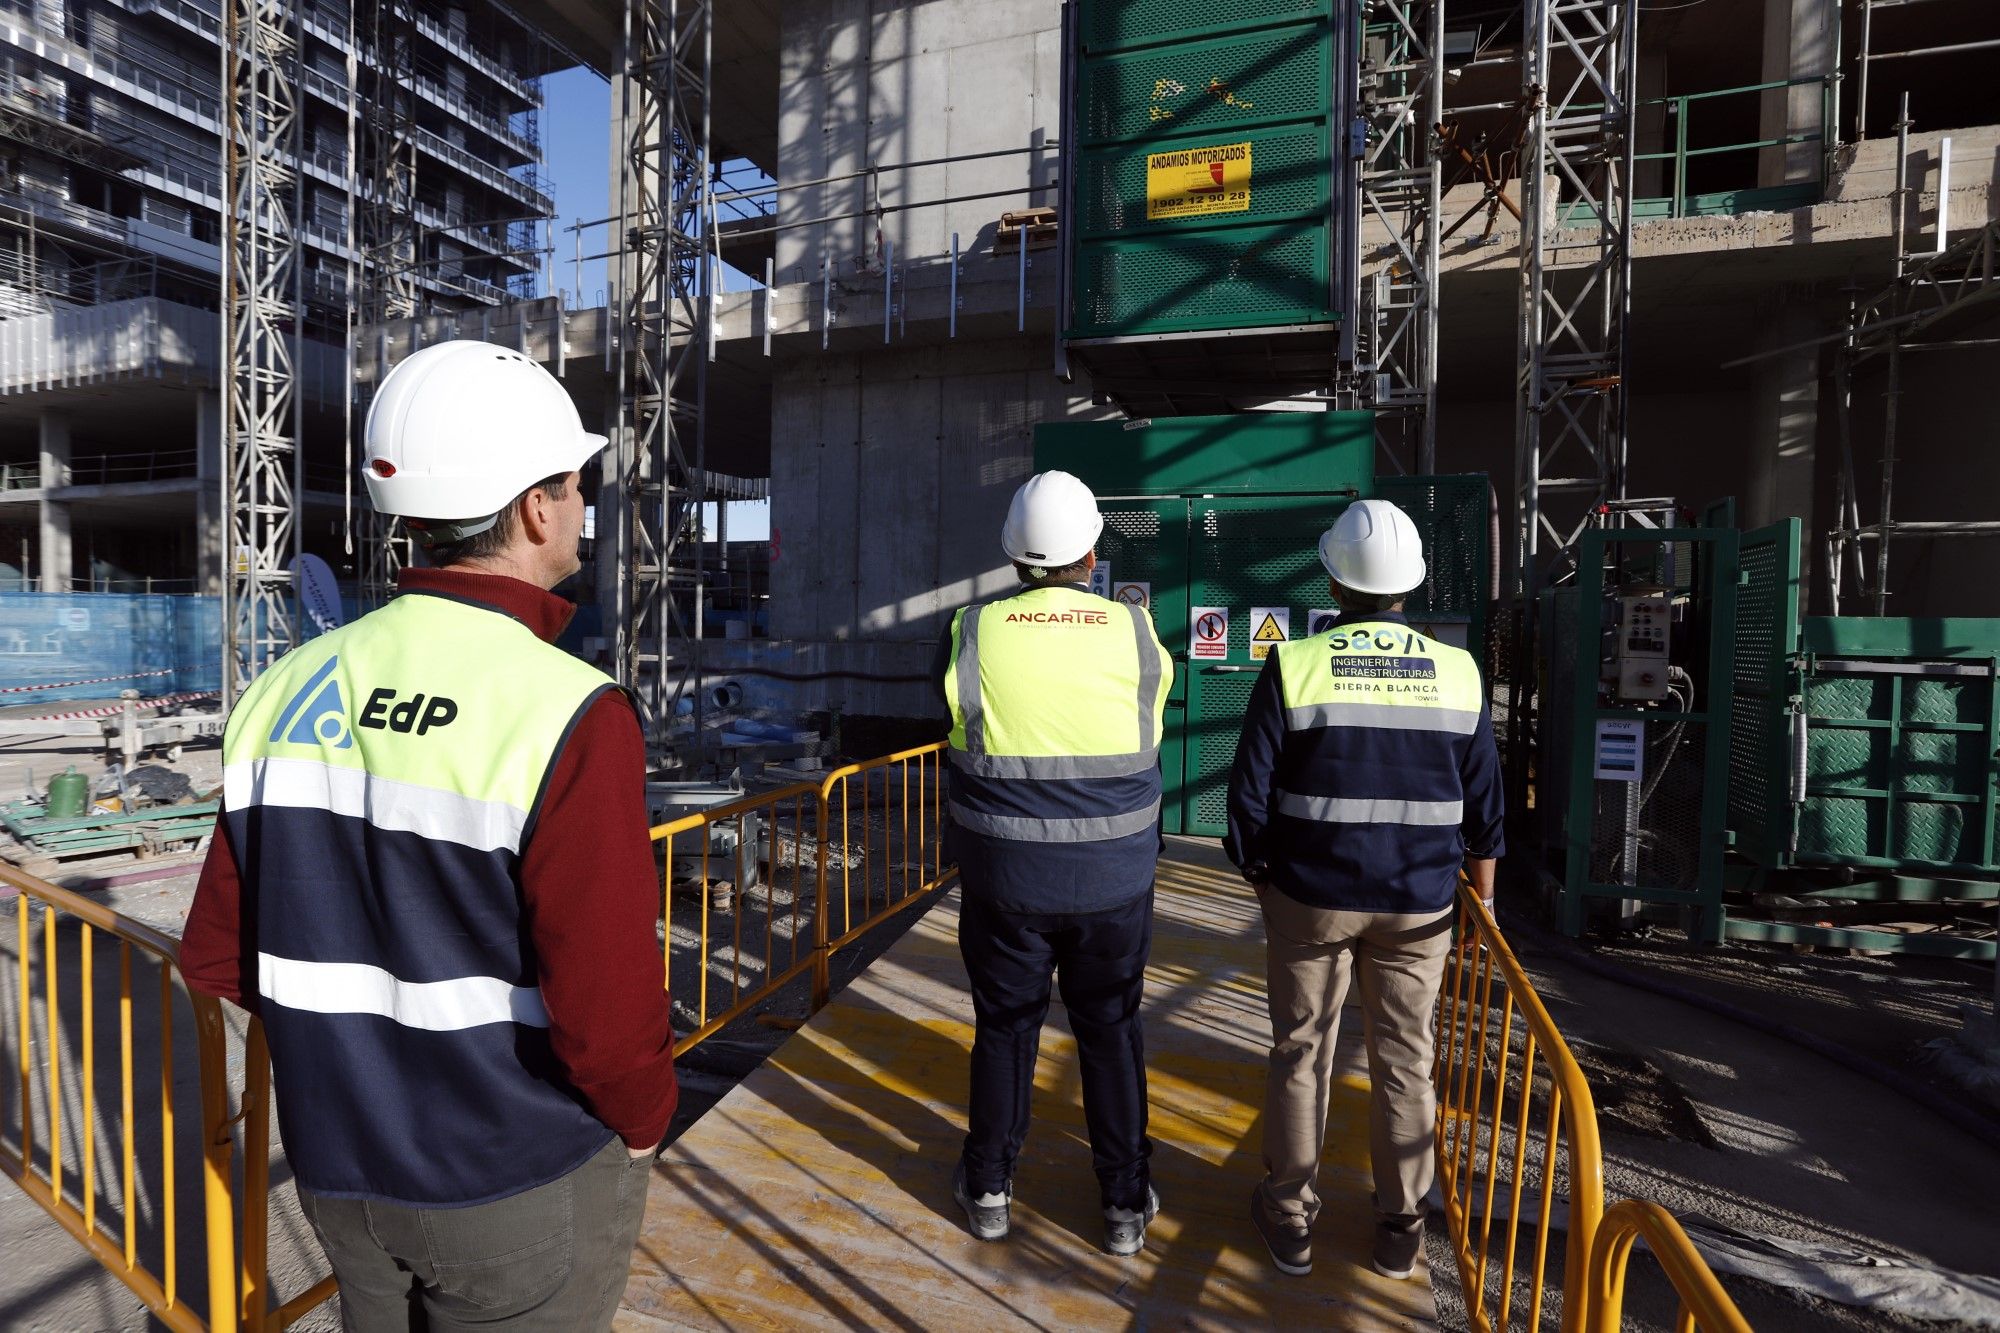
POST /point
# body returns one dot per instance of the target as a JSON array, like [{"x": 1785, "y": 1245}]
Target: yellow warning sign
[
  {"x": 1273, "y": 627},
  {"x": 1198, "y": 182}
]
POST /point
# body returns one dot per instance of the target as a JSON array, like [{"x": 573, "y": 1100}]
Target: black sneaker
[
  {"x": 1398, "y": 1241},
  {"x": 987, "y": 1214},
  {"x": 1288, "y": 1236},
  {"x": 1125, "y": 1228}
]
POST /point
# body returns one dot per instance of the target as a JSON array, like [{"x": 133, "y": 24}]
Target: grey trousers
[
  {"x": 555, "y": 1257},
  {"x": 1312, "y": 955}
]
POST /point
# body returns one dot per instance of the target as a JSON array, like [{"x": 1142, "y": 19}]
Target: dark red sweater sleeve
[
  {"x": 592, "y": 901},
  {"x": 218, "y": 947}
]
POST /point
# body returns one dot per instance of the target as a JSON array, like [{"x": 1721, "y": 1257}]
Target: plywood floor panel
[{"x": 817, "y": 1194}]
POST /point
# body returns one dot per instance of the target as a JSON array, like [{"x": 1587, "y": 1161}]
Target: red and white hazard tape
[
  {"x": 115, "y": 709},
  {"x": 94, "y": 680}
]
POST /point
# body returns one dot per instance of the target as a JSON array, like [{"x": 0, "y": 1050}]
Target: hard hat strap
[{"x": 432, "y": 532}]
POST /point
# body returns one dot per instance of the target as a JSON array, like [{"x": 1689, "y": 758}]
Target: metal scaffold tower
[
  {"x": 1937, "y": 279},
  {"x": 385, "y": 207},
  {"x": 261, "y": 308},
  {"x": 1402, "y": 103},
  {"x": 666, "y": 193},
  {"x": 1578, "y": 85},
  {"x": 1578, "y": 91}
]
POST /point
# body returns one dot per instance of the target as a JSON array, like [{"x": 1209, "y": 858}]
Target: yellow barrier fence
[
  {"x": 1704, "y": 1304},
  {"x": 762, "y": 891},
  {"x": 97, "y": 1039},
  {"x": 1499, "y": 1051}
]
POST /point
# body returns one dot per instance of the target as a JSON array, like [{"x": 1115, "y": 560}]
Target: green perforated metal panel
[
  {"x": 1145, "y": 542},
  {"x": 1213, "y": 87},
  {"x": 1152, "y": 77},
  {"x": 1114, "y": 23},
  {"x": 1216, "y": 703},
  {"x": 1243, "y": 553},
  {"x": 1247, "y": 277},
  {"x": 1453, "y": 515},
  {"x": 1761, "y": 814},
  {"x": 1901, "y": 738}
]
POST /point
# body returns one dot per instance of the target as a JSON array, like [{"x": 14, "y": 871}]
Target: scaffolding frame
[
  {"x": 1574, "y": 310},
  {"x": 1575, "y": 275},
  {"x": 262, "y": 300},
  {"x": 1866, "y": 58},
  {"x": 1931, "y": 285},
  {"x": 383, "y": 197},
  {"x": 666, "y": 192},
  {"x": 1402, "y": 106}
]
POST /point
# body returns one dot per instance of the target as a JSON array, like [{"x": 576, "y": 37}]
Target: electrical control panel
[{"x": 1644, "y": 622}]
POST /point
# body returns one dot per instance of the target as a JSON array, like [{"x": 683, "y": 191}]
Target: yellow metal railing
[
  {"x": 126, "y": 1213},
  {"x": 911, "y": 826},
  {"x": 1498, "y": 1048},
  {"x": 757, "y": 821},
  {"x": 835, "y": 861},
  {"x": 1704, "y": 1304}
]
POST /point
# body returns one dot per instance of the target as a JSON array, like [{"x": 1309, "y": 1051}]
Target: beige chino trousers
[{"x": 1312, "y": 954}]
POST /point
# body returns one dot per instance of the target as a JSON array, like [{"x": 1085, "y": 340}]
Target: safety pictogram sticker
[
  {"x": 1272, "y": 625},
  {"x": 1208, "y": 633},
  {"x": 1320, "y": 619},
  {"x": 1133, "y": 594}
]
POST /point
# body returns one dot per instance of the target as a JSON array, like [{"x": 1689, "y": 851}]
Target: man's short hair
[
  {"x": 494, "y": 539},
  {"x": 1366, "y": 603},
  {"x": 1077, "y": 572}
]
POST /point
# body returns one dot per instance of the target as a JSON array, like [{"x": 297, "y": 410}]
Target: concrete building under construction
[
  {"x": 907, "y": 321},
  {"x": 112, "y": 195},
  {"x": 1666, "y": 326}
]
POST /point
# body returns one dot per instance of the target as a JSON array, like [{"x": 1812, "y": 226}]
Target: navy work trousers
[{"x": 1099, "y": 961}]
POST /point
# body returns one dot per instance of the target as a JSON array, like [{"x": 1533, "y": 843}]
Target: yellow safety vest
[
  {"x": 1058, "y": 699},
  {"x": 380, "y": 786}
]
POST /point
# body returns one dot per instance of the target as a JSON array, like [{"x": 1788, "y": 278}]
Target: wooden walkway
[{"x": 817, "y": 1194}]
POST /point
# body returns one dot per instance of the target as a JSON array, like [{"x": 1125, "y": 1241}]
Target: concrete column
[
  {"x": 57, "y": 558},
  {"x": 1785, "y": 421},
  {"x": 211, "y": 528},
  {"x": 1800, "y": 38}
]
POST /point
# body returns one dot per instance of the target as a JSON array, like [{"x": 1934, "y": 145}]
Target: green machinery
[
  {"x": 1214, "y": 524},
  {"x": 1802, "y": 778},
  {"x": 1214, "y": 246},
  {"x": 1632, "y": 771},
  {"x": 1866, "y": 783}
]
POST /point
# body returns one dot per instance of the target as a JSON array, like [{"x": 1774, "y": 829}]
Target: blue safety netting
[{"x": 92, "y": 645}]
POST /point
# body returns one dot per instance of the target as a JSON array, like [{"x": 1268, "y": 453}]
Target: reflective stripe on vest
[
  {"x": 1056, "y": 687},
  {"x": 1101, "y": 829},
  {"x": 1370, "y": 810},
  {"x": 380, "y": 787}
]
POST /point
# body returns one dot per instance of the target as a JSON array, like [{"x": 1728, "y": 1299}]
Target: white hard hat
[
  {"x": 458, "y": 430},
  {"x": 1374, "y": 548},
  {"x": 1052, "y": 522}
]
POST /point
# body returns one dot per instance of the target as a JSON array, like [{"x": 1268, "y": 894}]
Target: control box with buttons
[{"x": 1643, "y": 629}]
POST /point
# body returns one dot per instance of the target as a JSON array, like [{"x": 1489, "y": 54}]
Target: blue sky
[{"x": 576, "y": 144}]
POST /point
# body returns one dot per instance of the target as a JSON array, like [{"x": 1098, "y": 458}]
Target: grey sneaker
[
  {"x": 1125, "y": 1229},
  {"x": 987, "y": 1214},
  {"x": 1398, "y": 1241},
  {"x": 1288, "y": 1236}
]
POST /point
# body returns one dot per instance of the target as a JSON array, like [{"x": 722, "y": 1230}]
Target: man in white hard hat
[
  {"x": 1365, "y": 778},
  {"x": 1057, "y": 697},
  {"x": 432, "y": 880}
]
